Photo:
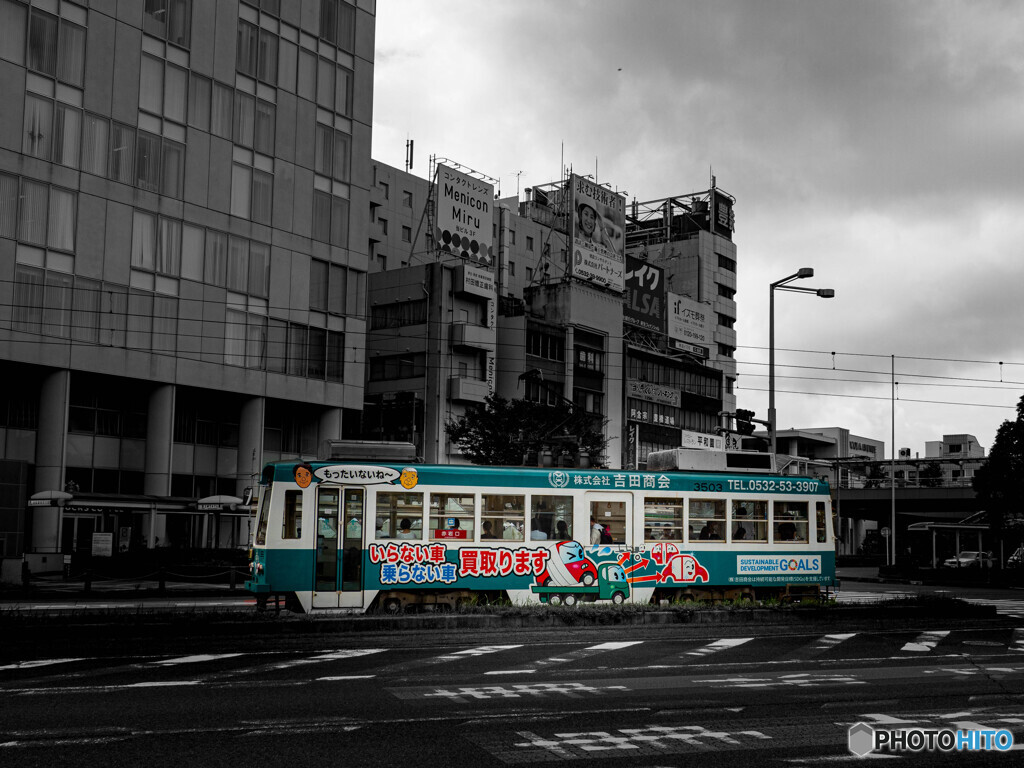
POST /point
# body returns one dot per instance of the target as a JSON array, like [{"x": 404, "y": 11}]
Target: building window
[
  {"x": 590, "y": 359},
  {"x": 156, "y": 244},
  {"x": 330, "y": 218},
  {"x": 163, "y": 89},
  {"x": 544, "y": 344},
  {"x": 398, "y": 314},
  {"x": 43, "y": 301},
  {"x": 386, "y": 189},
  {"x": 252, "y": 192},
  {"x": 725, "y": 291},
  {"x": 407, "y": 199},
  {"x": 122, "y": 154},
  {"x": 529, "y": 243},
  {"x": 13, "y": 16},
  {"x": 256, "y": 52},
  {"x": 169, "y": 20},
  {"x": 95, "y": 140},
  {"x": 590, "y": 402},
  {"x": 406, "y": 234},
  {"x": 38, "y": 127},
  {"x": 323, "y": 81},
  {"x": 221, "y": 110},
  {"x": 511, "y": 269},
  {"x": 338, "y": 23},
  {"x": 56, "y": 48},
  {"x": 45, "y": 215},
  {"x": 199, "y": 102},
  {"x": 725, "y": 321},
  {"x": 726, "y": 351},
  {"x": 333, "y": 151},
  {"x": 724, "y": 262},
  {"x": 511, "y": 237},
  {"x": 548, "y": 392}
]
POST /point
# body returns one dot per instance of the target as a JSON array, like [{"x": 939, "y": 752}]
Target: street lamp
[{"x": 783, "y": 285}]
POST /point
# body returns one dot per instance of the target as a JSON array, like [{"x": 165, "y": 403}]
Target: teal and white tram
[{"x": 346, "y": 535}]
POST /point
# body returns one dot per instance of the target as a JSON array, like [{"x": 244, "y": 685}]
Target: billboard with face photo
[{"x": 598, "y": 233}]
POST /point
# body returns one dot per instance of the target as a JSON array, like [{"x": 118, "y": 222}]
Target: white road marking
[
  {"x": 38, "y": 663},
  {"x": 566, "y": 658},
  {"x": 199, "y": 657},
  {"x": 719, "y": 645},
  {"x": 473, "y": 652},
  {"x": 925, "y": 642}
]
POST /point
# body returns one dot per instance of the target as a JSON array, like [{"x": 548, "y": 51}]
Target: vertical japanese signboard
[
  {"x": 464, "y": 224},
  {"x": 598, "y": 233},
  {"x": 645, "y": 295}
]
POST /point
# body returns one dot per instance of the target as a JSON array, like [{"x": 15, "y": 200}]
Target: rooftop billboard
[
  {"x": 464, "y": 219},
  {"x": 598, "y": 233},
  {"x": 645, "y": 295}
]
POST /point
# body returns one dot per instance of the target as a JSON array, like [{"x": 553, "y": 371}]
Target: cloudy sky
[{"x": 881, "y": 143}]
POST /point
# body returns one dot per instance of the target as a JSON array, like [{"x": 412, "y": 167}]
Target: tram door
[
  {"x": 339, "y": 548},
  {"x": 352, "y": 549},
  {"x": 614, "y": 513}
]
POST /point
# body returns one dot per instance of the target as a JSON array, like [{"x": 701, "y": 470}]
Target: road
[
  {"x": 649, "y": 697},
  {"x": 1007, "y": 602}
]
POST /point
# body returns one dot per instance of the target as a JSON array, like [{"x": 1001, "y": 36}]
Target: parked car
[
  {"x": 1016, "y": 560},
  {"x": 970, "y": 559}
]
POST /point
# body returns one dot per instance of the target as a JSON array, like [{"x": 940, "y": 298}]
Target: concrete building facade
[{"x": 183, "y": 188}]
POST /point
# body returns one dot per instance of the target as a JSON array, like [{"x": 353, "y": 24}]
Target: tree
[
  {"x": 501, "y": 432},
  {"x": 999, "y": 482},
  {"x": 930, "y": 475}
]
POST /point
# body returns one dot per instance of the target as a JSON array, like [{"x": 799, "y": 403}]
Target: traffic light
[{"x": 744, "y": 423}]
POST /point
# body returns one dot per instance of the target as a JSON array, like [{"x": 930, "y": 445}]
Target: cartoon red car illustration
[{"x": 570, "y": 568}]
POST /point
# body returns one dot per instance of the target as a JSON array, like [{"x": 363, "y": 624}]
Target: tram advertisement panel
[{"x": 570, "y": 565}]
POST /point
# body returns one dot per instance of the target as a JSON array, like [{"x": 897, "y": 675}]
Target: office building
[{"x": 183, "y": 230}]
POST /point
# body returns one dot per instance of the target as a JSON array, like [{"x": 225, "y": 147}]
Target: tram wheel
[{"x": 393, "y": 605}]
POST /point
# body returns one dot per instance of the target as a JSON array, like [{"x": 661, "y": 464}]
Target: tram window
[
  {"x": 291, "y": 527},
  {"x": 503, "y": 517},
  {"x": 820, "y": 520},
  {"x": 612, "y": 515},
  {"x": 663, "y": 519},
  {"x": 790, "y": 521},
  {"x": 451, "y": 516},
  {"x": 550, "y": 517},
  {"x": 399, "y": 515},
  {"x": 264, "y": 518},
  {"x": 707, "y": 519},
  {"x": 750, "y": 520}
]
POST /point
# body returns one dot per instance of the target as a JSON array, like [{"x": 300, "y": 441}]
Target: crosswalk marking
[
  {"x": 197, "y": 658},
  {"x": 1012, "y": 608},
  {"x": 565, "y": 658},
  {"x": 1017, "y": 641},
  {"x": 346, "y": 653},
  {"x": 719, "y": 645},
  {"x": 38, "y": 663},
  {"x": 925, "y": 642},
  {"x": 473, "y": 652}
]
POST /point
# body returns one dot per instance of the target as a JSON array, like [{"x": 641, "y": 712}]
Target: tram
[{"x": 336, "y": 535}]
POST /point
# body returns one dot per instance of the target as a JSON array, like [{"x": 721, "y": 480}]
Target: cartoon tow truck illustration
[{"x": 571, "y": 577}]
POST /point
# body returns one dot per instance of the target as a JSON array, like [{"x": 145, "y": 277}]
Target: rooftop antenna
[
  {"x": 518, "y": 174},
  {"x": 409, "y": 144}
]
